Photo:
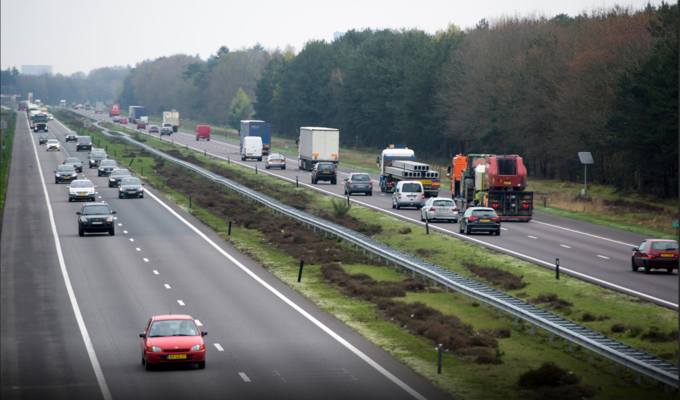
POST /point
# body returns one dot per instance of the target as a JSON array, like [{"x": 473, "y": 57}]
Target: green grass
[
  {"x": 6, "y": 143},
  {"x": 460, "y": 378}
]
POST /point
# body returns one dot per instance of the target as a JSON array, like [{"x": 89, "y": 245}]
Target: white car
[
  {"x": 53, "y": 144},
  {"x": 50, "y": 116},
  {"x": 81, "y": 190},
  {"x": 439, "y": 208}
]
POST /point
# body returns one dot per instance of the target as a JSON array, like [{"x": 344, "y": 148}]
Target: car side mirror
[
  {"x": 78, "y": 212},
  {"x": 114, "y": 212},
  {"x": 95, "y": 185},
  {"x": 68, "y": 187},
  {"x": 204, "y": 333},
  {"x": 635, "y": 249},
  {"x": 143, "y": 184},
  {"x": 142, "y": 335},
  {"x": 346, "y": 179},
  {"x": 448, "y": 175}
]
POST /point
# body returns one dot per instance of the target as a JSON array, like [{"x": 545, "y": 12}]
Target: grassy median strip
[
  {"x": 6, "y": 142},
  {"x": 486, "y": 354}
]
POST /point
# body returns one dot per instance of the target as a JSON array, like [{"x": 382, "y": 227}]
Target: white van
[
  {"x": 408, "y": 194},
  {"x": 252, "y": 148}
]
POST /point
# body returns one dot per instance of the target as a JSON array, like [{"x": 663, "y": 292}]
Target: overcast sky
[{"x": 80, "y": 35}]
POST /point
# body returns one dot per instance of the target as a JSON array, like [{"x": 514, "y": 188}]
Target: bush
[
  {"x": 548, "y": 374},
  {"x": 404, "y": 230},
  {"x": 341, "y": 207},
  {"x": 486, "y": 359},
  {"x": 588, "y": 317},
  {"x": 619, "y": 328},
  {"x": 553, "y": 301},
  {"x": 659, "y": 337}
]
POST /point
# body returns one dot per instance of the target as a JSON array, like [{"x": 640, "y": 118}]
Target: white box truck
[
  {"x": 171, "y": 117},
  {"x": 317, "y": 145},
  {"x": 99, "y": 108}
]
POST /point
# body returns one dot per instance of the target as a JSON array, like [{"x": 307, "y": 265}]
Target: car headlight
[
  {"x": 74, "y": 175},
  {"x": 101, "y": 169},
  {"x": 155, "y": 349},
  {"x": 112, "y": 180},
  {"x": 120, "y": 189},
  {"x": 109, "y": 219},
  {"x": 140, "y": 189},
  {"x": 83, "y": 219},
  {"x": 198, "y": 347},
  {"x": 56, "y": 175},
  {"x": 90, "y": 144}
]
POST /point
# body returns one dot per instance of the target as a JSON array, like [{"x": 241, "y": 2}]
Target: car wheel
[
  {"x": 334, "y": 181},
  {"x": 56, "y": 181},
  {"x": 70, "y": 199},
  {"x": 81, "y": 232},
  {"x": 259, "y": 159},
  {"x": 498, "y": 232},
  {"x": 266, "y": 167},
  {"x": 370, "y": 193},
  {"x": 208, "y": 139},
  {"x": 149, "y": 366},
  {"x": 398, "y": 206},
  {"x": 669, "y": 270},
  {"x": 112, "y": 231},
  {"x": 283, "y": 168},
  {"x": 460, "y": 228},
  {"x": 201, "y": 365},
  {"x": 467, "y": 229},
  {"x": 120, "y": 196},
  {"x": 141, "y": 196},
  {"x": 647, "y": 269},
  {"x": 632, "y": 264}
]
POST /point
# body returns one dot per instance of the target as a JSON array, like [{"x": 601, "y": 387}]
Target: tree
[{"x": 239, "y": 109}]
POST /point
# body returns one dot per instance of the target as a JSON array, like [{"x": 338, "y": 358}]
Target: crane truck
[
  {"x": 497, "y": 181},
  {"x": 398, "y": 163}
]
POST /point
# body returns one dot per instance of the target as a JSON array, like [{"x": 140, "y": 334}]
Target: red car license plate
[{"x": 177, "y": 356}]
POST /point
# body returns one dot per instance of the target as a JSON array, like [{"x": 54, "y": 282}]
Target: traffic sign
[
  {"x": 675, "y": 223},
  {"x": 86, "y": 123},
  {"x": 3, "y": 124}
]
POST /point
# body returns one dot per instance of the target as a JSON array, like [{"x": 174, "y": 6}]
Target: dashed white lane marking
[
  {"x": 565, "y": 246},
  {"x": 138, "y": 249},
  {"x": 155, "y": 272},
  {"x": 198, "y": 322},
  {"x": 244, "y": 376},
  {"x": 100, "y": 197},
  {"x": 125, "y": 232},
  {"x": 606, "y": 258},
  {"x": 181, "y": 303},
  {"x": 146, "y": 260},
  {"x": 119, "y": 224},
  {"x": 217, "y": 345},
  {"x": 533, "y": 237},
  {"x": 167, "y": 286},
  {"x": 115, "y": 217},
  {"x": 132, "y": 240},
  {"x": 505, "y": 229}
]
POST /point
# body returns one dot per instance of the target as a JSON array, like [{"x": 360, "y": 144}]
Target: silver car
[
  {"x": 81, "y": 190},
  {"x": 275, "y": 160},
  {"x": 358, "y": 183},
  {"x": 408, "y": 194},
  {"x": 53, "y": 144},
  {"x": 439, "y": 208}
]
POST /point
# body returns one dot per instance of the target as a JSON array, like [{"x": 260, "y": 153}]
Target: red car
[
  {"x": 170, "y": 339},
  {"x": 656, "y": 254},
  {"x": 123, "y": 121},
  {"x": 141, "y": 125}
]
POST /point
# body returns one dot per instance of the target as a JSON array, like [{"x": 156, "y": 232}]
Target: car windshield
[
  {"x": 362, "y": 178},
  {"x": 326, "y": 167},
  {"x": 276, "y": 157},
  {"x": 65, "y": 168},
  {"x": 44, "y": 137},
  {"x": 96, "y": 210},
  {"x": 176, "y": 327},
  {"x": 484, "y": 213},
  {"x": 73, "y": 160},
  {"x": 108, "y": 163},
  {"x": 120, "y": 172},
  {"x": 443, "y": 203},
  {"x": 411, "y": 188},
  {"x": 669, "y": 246},
  {"x": 84, "y": 139},
  {"x": 98, "y": 154},
  {"x": 130, "y": 181},
  {"x": 81, "y": 184},
  {"x": 53, "y": 141},
  {"x": 72, "y": 133}
]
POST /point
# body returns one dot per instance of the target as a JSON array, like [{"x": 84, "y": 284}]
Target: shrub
[
  {"x": 486, "y": 359},
  {"x": 341, "y": 207},
  {"x": 553, "y": 301},
  {"x": 619, "y": 328},
  {"x": 404, "y": 230},
  {"x": 659, "y": 337},
  {"x": 588, "y": 317},
  {"x": 548, "y": 374}
]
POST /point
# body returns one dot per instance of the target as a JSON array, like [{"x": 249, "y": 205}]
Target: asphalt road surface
[
  {"x": 73, "y": 307},
  {"x": 588, "y": 251}
]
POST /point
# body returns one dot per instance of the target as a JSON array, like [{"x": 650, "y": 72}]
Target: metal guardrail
[{"x": 620, "y": 353}]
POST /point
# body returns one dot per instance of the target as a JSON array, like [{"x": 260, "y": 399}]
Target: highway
[
  {"x": 72, "y": 307},
  {"x": 591, "y": 252}
]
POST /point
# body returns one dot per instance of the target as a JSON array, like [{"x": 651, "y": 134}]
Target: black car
[
  {"x": 106, "y": 166},
  {"x": 84, "y": 143},
  {"x": 96, "y": 157},
  {"x": 96, "y": 217},
  {"x": 117, "y": 175},
  {"x": 72, "y": 135},
  {"x": 116, "y": 119},
  {"x": 358, "y": 183},
  {"x": 324, "y": 171},
  {"x": 65, "y": 173},
  {"x": 131, "y": 187},
  {"x": 480, "y": 219},
  {"x": 43, "y": 139},
  {"x": 166, "y": 131},
  {"x": 75, "y": 161}
]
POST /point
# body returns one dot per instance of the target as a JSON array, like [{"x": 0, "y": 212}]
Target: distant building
[
  {"x": 338, "y": 35},
  {"x": 36, "y": 69}
]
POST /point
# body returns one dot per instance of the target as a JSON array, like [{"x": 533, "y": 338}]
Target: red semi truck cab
[{"x": 115, "y": 110}]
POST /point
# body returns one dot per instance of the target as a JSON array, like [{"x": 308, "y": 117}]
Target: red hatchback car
[
  {"x": 170, "y": 339},
  {"x": 123, "y": 121},
  {"x": 656, "y": 254}
]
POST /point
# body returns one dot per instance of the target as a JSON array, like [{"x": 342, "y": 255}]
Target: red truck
[
  {"x": 203, "y": 132},
  {"x": 115, "y": 110}
]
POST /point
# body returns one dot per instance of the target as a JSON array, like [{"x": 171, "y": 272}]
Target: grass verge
[
  {"x": 603, "y": 310},
  {"x": 6, "y": 143}
]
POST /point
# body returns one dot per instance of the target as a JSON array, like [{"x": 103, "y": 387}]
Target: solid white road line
[
  {"x": 565, "y": 246},
  {"x": 167, "y": 286},
  {"x": 198, "y": 322},
  {"x": 583, "y": 233},
  {"x": 218, "y": 347},
  {"x": 244, "y": 376},
  {"x": 155, "y": 272},
  {"x": 99, "y": 374},
  {"x": 606, "y": 258},
  {"x": 181, "y": 303},
  {"x": 297, "y": 308}
]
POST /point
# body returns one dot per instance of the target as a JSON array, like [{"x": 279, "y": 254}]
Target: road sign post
[{"x": 586, "y": 158}]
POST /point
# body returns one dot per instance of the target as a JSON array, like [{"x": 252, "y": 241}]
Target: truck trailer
[
  {"x": 99, "y": 107},
  {"x": 171, "y": 117},
  {"x": 135, "y": 113},
  {"x": 62, "y": 103},
  {"x": 317, "y": 145},
  {"x": 115, "y": 110},
  {"x": 399, "y": 163},
  {"x": 257, "y": 128}
]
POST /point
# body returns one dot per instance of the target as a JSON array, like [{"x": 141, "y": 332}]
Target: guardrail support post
[
  {"x": 570, "y": 346},
  {"x": 413, "y": 274},
  {"x": 551, "y": 336},
  {"x": 483, "y": 305},
  {"x": 229, "y": 232},
  {"x": 665, "y": 389},
  {"x": 379, "y": 258},
  {"x": 499, "y": 313},
  {"x": 435, "y": 283},
  {"x": 371, "y": 255},
  {"x": 532, "y": 329},
  {"x": 515, "y": 320},
  {"x": 613, "y": 367},
  {"x": 590, "y": 358},
  {"x": 638, "y": 379},
  {"x": 446, "y": 288},
  {"x": 470, "y": 299}
]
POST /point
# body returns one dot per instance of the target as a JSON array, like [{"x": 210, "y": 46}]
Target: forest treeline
[{"x": 604, "y": 81}]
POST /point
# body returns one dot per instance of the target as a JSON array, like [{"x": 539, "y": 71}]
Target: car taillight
[
  {"x": 400, "y": 195},
  {"x": 495, "y": 219},
  {"x": 350, "y": 182},
  {"x": 432, "y": 209},
  {"x": 283, "y": 161},
  {"x": 423, "y": 196},
  {"x": 473, "y": 219},
  {"x": 370, "y": 183}
]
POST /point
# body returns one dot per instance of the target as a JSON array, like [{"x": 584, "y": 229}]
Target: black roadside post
[
  {"x": 204, "y": 152},
  {"x": 142, "y": 174},
  {"x": 163, "y": 187},
  {"x": 187, "y": 146},
  {"x": 557, "y": 268},
  {"x": 302, "y": 263},
  {"x": 189, "y": 201},
  {"x": 296, "y": 181},
  {"x": 348, "y": 200},
  {"x": 544, "y": 201},
  {"x": 256, "y": 170},
  {"x": 427, "y": 226},
  {"x": 131, "y": 162},
  {"x": 107, "y": 147},
  {"x": 439, "y": 359},
  {"x": 229, "y": 232},
  {"x": 115, "y": 153},
  {"x": 228, "y": 162}
]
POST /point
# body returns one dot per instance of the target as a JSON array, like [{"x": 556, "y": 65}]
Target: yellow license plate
[
  {"x": 668, "y": 255},
  {"x": 177, "y": 357},
  {"x": 426, "y": 182},
  {"x": 82, "y": 195},
  {"x": 67, "y": 177},
  {"x": 485, "y": 220},
  {"x": 250, "y": 154}
]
